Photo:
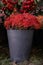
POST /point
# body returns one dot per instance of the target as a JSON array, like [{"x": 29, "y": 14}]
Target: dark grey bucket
[{"x": 20, "y": 42}]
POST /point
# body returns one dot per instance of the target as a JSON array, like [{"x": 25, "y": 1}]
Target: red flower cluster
[
  {"x": 22, "y": 21},
  {"x": 28, "y": 5},
  {"x": 9, "y": 1},
  {"x": 9, "y": 4}
]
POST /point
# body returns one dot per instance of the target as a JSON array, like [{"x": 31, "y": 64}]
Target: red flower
[
  {"x": 28, "y": 5},
  {"x": 13, "y": 2},
  {"x": 4, "y": 8},
  {"x": 4, "y": 1},
  {"x": 10, "y": 6},
  {"x": 20, "y": 21},
  {"x": 32, "y": 1}
]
